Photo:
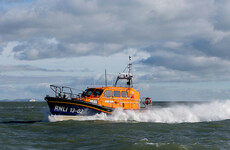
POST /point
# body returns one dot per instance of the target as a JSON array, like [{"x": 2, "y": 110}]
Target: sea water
[{"x": 167, "y": 125}]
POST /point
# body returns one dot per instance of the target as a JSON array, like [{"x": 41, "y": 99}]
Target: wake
[{"x": 174, "y": 113}]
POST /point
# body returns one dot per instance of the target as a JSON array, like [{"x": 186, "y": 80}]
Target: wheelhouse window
[
  {"x": 108, "y": 93},
  {"x": 117, "y": 94},
  {"x": 97, "y": 92},
  {"x": 124, "y": 94},
  {"x": 89, "y": 92}
]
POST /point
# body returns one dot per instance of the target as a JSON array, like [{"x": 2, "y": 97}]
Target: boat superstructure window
[
  {"x": 117, "y": 93},
  {"x": 89, "y": 92},
  {"x": 108, "y": 93},
  {"x": 124, "y": 94},
  {"x": 97, "y": 92}
]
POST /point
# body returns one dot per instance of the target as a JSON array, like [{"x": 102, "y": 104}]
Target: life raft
[{"x": 148, "y": 101}]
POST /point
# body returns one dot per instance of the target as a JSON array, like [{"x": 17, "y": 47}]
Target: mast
[
  {"x": 105, "y": 78},
  {"x": 129, "y": 73},
  {"x": 126, "y": 76}
]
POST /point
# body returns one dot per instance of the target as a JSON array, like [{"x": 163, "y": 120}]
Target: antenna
[
  {"x": 127, "y": 76},
  {"x": 130, "y": 82},
  {"x": 129, "y": 66},
  {"x": 105, "y": 78}
]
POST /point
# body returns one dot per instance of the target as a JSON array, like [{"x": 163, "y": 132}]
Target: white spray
[{"x": 175, "y": 113}]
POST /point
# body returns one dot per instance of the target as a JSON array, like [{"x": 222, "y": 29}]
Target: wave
[{"x": 173, "y": 113}]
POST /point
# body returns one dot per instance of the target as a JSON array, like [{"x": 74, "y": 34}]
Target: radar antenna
[{"x": 126, "y": 76}]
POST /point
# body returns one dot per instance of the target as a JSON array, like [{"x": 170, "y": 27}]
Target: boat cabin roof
[
  {"x": 97, "y": 91},
  {"x": 112, "y": 88}
]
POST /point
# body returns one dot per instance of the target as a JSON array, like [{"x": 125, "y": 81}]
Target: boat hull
[{"x": 62, "y": 106}]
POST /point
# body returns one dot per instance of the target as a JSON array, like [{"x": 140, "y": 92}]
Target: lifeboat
[{"x": 96, "y": 100}]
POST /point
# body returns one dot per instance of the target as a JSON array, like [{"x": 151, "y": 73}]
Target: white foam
[{"x": 175, "y": 113}]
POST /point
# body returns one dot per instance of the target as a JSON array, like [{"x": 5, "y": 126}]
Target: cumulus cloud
[
  {"x": 176, "y": 40},
  {"x": 87, "y": 27},
  {"x": 167, "y": 64}
]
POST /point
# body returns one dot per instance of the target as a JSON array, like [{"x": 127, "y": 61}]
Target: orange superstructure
[{"x": 113, "y": 97}]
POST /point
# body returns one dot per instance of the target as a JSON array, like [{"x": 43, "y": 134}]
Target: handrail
[{"x": 63, "y": 91}]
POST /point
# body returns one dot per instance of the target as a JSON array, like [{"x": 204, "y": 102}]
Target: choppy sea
[{"x": 166, "y": 126}]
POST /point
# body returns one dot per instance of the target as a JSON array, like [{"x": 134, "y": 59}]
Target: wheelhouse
[{"x": 114, "y": 97}]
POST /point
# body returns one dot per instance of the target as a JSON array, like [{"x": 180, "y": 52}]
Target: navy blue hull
[{"x": 61, "y": 106}]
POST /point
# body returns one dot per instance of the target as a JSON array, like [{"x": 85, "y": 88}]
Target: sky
[{"x": 180, "y": 48}]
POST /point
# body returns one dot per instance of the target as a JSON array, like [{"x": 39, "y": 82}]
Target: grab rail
[{"x": 63, "y": 91}]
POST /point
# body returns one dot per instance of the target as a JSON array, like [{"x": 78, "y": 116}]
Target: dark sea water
[{"x": 166, "y": 126}]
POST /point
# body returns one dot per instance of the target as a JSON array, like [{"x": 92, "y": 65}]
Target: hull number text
[{"x": 68, "y": 109}]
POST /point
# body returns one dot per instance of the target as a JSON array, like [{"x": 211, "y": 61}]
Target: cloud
[
  {"x": 166, "y": 64},
  {"x": 170, "y": 41},
  {"x": 219, "y": 49},
  {"x": 19, "y": 68},
  {"x": 29, "y": 68},
  {"x": 25, "y": 80},
  {"x": 221, "y": 20},
  {"x": 83, "y": 28}
]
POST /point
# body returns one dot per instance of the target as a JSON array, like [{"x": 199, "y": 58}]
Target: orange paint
[{"x": 114, "y": 97}]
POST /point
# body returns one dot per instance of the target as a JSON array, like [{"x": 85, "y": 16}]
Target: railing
[{"x": 63, "y": 92}]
